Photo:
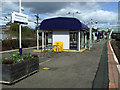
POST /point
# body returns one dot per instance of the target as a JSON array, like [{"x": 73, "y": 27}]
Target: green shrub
[
  {"x": 6, "y": 45},
  {"x": 15, "y": 44},
  {"x": 25, "y": 43}
]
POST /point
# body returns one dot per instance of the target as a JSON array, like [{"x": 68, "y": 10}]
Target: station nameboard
[{"x": 19, "y": 18}]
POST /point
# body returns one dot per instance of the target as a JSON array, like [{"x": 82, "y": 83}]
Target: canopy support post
[
  {"x": 42, "y": 40},
  {"x": 37, "y": 39},
  {"x": 45, "y": 39},
  {"x": 85, "y": 40},
  {"x": 79, "y": 40}
]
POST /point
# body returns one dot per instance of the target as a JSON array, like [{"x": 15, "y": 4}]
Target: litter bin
[{"x": 58, "y": 47}]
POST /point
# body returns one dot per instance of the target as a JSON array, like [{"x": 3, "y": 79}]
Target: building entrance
[{"x": 73, "y": 40}]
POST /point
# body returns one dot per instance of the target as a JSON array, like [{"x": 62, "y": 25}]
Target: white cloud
[
  {"x": 10, "y": 6},
  {"x": 100, "y": 16},
  {"x": 88, "y": 10},
  {"x": 64, "y": 0}
]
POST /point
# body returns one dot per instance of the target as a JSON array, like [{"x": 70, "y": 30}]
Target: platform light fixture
[{"x": 77, "y": 12}]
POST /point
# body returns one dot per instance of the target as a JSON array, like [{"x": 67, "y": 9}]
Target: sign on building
[{"x": 19, "y": 18}]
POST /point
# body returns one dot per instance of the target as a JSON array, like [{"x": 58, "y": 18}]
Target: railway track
[{"x": 118, "y": 44}]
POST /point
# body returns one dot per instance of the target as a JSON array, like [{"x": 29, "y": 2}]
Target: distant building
[
  {"x": 3, "y": 30},
  {"x": 103, "y": 29},
  {"x": 116, "y": 29}
]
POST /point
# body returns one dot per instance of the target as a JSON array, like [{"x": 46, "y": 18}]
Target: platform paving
[{"x": 65, "y": 70}]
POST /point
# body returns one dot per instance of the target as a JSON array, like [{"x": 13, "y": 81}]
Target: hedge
[{"x": 14, "y": 44}]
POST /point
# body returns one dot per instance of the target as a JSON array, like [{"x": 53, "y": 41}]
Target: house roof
[{"x": 62, "y": 23}]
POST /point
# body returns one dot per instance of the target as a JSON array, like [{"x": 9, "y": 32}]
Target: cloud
[
  {"x": 52, "y": 7},
  {"x": 44, "y": 7},
  {"x": 100, "y": 16},
  {"x": 88, "y": 10},
  {"x": 10, "y": 6},
  {"x": 82, "y": 7}
]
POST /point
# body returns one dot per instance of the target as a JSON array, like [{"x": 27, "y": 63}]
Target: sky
[{"x": 105, "y": 13}]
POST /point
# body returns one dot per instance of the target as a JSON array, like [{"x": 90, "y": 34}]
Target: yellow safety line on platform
[
  {"x": 45, "y": 61},
  {"x": 63, "y": 50},
  {"x": 40, "y": 50},
  {"x": 74, "y": 50}
]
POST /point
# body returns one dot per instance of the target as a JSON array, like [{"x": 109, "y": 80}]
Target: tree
[
  {"x": 9, "y": 23},
  {"x": 26, "y": 31},
  {"x": 14, "y": 27}
]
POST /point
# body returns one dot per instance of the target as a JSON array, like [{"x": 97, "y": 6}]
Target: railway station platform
[{"x": 88, "y": 69}]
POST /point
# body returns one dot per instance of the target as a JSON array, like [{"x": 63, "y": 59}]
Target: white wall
[
  {"x": 61, "y": 36},
  {"x": 94, "y": 37}
]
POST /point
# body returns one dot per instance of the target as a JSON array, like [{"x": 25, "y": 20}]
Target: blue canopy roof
[{"x": 62, "y": 23}]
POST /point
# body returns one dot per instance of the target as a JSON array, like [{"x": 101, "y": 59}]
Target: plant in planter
[
  {"x": 7, "y": 61},
  {"x": 32, "y": 63},
  {"x": 27, "y": 56},
  {"x": 16, "y": 67}
]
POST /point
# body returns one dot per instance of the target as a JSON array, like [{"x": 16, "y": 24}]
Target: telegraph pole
[{"x": 90, "y": 33}]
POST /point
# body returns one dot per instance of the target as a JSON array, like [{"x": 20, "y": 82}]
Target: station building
[{"x": 68, "y": 30}]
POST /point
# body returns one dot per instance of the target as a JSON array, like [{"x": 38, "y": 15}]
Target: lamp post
[
  {"x": 73, "y": 13},
  {"x": 90, "y": 33}
]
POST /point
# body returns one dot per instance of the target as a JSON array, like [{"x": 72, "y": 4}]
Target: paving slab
[{"x": 73, "y": 70}]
